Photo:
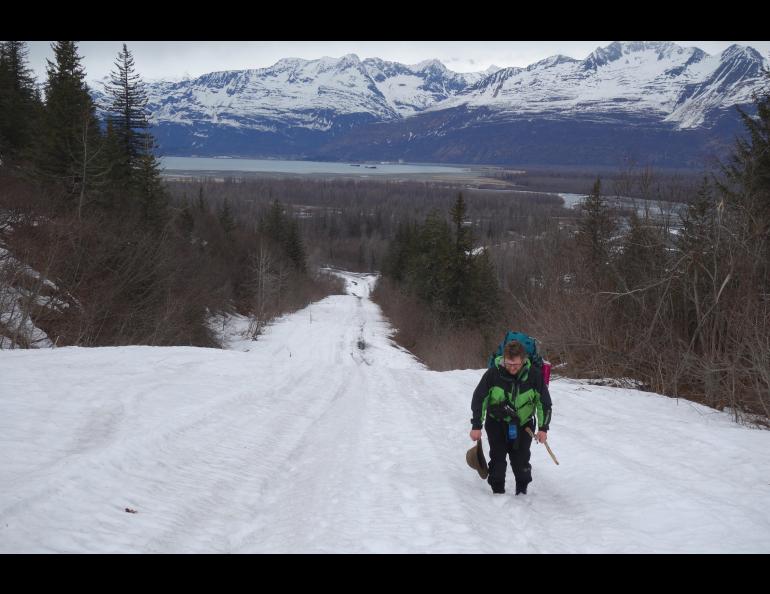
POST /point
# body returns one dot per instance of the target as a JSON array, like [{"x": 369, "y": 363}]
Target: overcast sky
[{"x": 176, "y": 59}]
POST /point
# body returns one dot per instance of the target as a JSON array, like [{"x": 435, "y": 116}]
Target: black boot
[
  {"x": 497, "y": 487},
  {"x": 523, "y": 478}
]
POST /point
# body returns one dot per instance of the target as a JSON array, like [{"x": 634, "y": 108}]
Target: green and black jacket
[{"x": 526, "y": 392}]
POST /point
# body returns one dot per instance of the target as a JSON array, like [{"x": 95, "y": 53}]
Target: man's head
[{"x": 514, "y": 356}]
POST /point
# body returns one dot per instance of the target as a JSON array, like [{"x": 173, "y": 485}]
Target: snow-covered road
[{"x": 305, "y": 442}]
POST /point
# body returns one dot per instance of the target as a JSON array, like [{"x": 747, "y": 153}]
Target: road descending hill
[{"x": 324, "y": 436}]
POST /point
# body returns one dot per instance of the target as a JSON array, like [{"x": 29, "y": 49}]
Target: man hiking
[{"x": 510, "y": 394}]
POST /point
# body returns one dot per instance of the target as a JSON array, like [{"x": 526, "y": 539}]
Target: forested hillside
[{"x": 85, "y": 219}]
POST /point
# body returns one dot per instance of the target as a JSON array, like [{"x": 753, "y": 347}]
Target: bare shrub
[{"x": 441, "y": 346}]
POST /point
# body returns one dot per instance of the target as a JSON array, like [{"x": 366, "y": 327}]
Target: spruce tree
[
  {"x": 640, "y": 266},
  {"x": 5, "y": 119},
  {"x": 595, "y": 231},
  {"x": 226, "y": 219},
  {"x": 19, "y": 103},
  {"x": 136, "y": 166},
  {"x": 294, "y": 247},
  {"x": 463, "y": 239},
  {"x": 434, "y": 261},
  {"x": 283, "y": 232},
  {"x": 698, "y": 259},
  {"x": 272, "y": 223},
  {"x": 746, "y": 189},
  {"x": 152, "y": 197},
  {"x": 460, "y": 263},
  {"x": 483, "y": 292},
  {"x": 186, "y": 220},
  {"x": 113, "y": 195},
  {"x": 401, "y": 249},
  {"x": 200, "y": 203},
  {"x": 70, "y": 136},
  {"x": 430, "y": 271},
  {"x": 128, "y": 113}
]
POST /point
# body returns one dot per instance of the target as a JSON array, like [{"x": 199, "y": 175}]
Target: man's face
[{"x": 513, "y": 365}]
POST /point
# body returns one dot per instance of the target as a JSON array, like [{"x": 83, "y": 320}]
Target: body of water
[{"x": 202, "y": 164}]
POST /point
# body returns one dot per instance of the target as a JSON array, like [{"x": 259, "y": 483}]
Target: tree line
[
  {"x": 677, "y": 304},
  {"x": 82, "y": 201}
]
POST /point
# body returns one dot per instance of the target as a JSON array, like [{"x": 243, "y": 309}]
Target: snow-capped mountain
[
  {"x": 661, "y": 79},
  {"x": 305, "y": 93},
  {"x": 411, "y": 89},
  {"x": 340, "y": 107}
]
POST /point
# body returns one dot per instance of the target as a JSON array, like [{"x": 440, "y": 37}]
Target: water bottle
[
  {"x": 546, "y": 372},
  {"x": 512, "y": 431}
]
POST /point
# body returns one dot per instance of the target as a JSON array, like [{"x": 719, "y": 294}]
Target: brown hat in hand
[{"x": 476, "y": 460}]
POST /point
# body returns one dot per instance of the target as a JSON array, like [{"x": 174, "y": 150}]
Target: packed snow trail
[{"x": 323, "y": 436}]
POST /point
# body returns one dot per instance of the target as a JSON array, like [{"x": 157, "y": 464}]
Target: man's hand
[
  {"x": 475, "y": 434},
  {"x": 541, "y": 436}
]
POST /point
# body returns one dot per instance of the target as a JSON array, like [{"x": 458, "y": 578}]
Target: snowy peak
[
  {"x": 741, "y": 53},
  {"x": 341, "y": 65},
  {"x": 493, "y": 82},
  {"x": 737, "y": 63},
  {"x": 306, "y": 93},
  {"x": 294, "y": 91},
  {"x": 618, "y": 49},
  {"x": 731, "y": 80},
  {"x": 551, "y": 62},
  {"x": 656, "y": 79},
  {"x": 411, "y": 89},
  {"x": 601, "y": 56},
  {"x": 433, "y": 66}
]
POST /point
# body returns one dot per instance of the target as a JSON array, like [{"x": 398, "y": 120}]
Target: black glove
[{"x": 500, "y": 411}]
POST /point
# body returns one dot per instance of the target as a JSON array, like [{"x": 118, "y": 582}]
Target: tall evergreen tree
[
  {"x": 200, "y": 203},
  {"x": 294, "y": 247},
  {"x": 135, "y": 165},
  {"x": 595, "y": 231},
  {"x": 463, "y": 239},
  {"x": 113, "y": 195},
  {"x": 699, "y": 260},
  {"x": 430, "y": 269},
  {"x": 70, "y": 136},
  {"x": 186, "y": 220},
  {"x": 225, "y": 216},
  {"x": 19, "y": 103},
  {"x": 640, "y": 266},
  {"x": 273, "y": 223},
  {"x": 5, "y": 119},
  {"x": 483, "y": 291},
  {"x": 284, "y": 232},
  {"x": 128, "y": 112},
  {"x": 746, "y": 191},
  {"x": 401, "y": 250},
  {"x": 435, "y": 262},
  {"x": 152, "y": 196},
  {"x": 459, "y": 272}
]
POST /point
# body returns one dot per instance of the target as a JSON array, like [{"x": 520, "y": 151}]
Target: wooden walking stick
[{"x": 545, "y": 443}]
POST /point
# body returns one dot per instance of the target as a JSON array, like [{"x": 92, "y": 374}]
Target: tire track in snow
[{"x": 368, "y": 476}]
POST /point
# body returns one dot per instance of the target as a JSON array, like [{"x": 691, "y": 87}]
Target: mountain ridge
[{"x": 305, "y": 108}]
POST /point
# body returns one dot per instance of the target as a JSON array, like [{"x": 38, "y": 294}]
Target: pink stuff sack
[{"x": 546, "y": 371}]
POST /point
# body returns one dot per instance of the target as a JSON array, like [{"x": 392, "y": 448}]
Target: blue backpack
[{"x": 530, "y": 344}]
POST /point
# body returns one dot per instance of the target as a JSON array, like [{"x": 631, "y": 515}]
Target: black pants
[{"x": 518, "y": 451}]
